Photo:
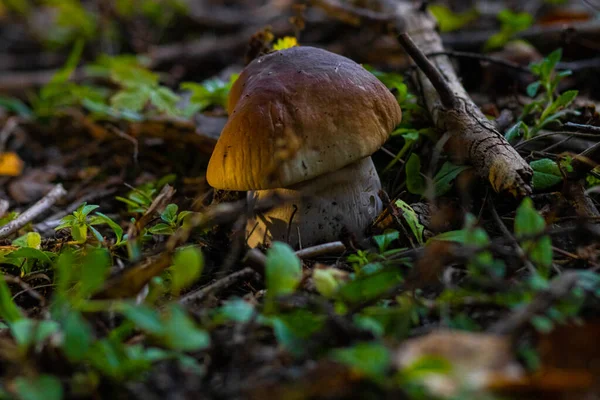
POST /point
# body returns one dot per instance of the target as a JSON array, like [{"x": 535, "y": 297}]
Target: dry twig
[{"x": 34, "y": 211}]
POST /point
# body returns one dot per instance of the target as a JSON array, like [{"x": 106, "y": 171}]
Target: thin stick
[
  {"x": 34, "y": 211},
  {"x": 4, "y": 204},
  {"x": 321, "y": 249},
  {"x": 446, "y": 94},
  {"x": 221, "y": 284},
  {"x": 518, "y": 320}
]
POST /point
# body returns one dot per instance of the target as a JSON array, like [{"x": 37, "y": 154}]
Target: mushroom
[{"x": 304, "y": 122}]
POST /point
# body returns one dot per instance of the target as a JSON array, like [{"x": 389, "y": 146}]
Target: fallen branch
[
  {"x": 222, "y": 284},
  {"x": 520, "y": 319},
  {"x": 321, "y": 249},
  {"x": 473, "y": 139},
  {"x": 34, "y": 211}
]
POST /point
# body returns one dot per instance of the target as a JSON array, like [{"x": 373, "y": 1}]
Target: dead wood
[{"x": 472, "y": 138}]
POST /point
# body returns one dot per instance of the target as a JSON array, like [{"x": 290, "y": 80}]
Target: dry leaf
[
  {"x": 476, "y": 359},
  {"x": 10, "y": 164}
]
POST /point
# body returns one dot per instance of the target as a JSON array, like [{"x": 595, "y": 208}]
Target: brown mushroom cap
[{"x": 300, "y": 112}]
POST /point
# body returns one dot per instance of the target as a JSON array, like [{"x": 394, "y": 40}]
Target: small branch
[
  {"x": 32, "y": 213},
  {"x": 222, "y": 284},
  {"x": 447, "y": 96},
  {"x": 4, "y": 204},
  {"x": 481, "y": 57},
  {"x": 571, "y": 126},
  {"x": 517, "y": 321},
  {"x": 321, "y": 249}
]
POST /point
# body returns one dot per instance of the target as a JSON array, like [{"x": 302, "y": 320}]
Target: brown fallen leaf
[
  {"x": 10, "y": 164},
  {"x": 484, "y": 363},
  {"x": 476, "y": 359}
]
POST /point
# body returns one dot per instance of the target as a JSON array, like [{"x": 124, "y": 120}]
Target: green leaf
[
  {"x": 186, "y": 269},
  {"x": 412, "y": 219},
  {"x": 41, "y": 387},
  {"x": 29, "y": 332},
  {"x": 384, "y": 240},
  {"x": 30, "y": 253},
  {"x": 77, "y": 336},
  {"x": 283, "y": 270},
  {"x": 9, "y": 311},
  {"x": 566, "y": 98},
  {"x": 30, "y": 239},
  {"x": 16, "y": 106},
  {"x": 236, "y": 310},
  {"x": 533, "y": 88},
  {"x": 86, "y": 209},
  {"x": 181, "y": 333},
  {"x": 414, "y": 181},
  {"x": 448, "y": 20},
  {"x": 101, "y": 218},
  {"x": 132, "y": 100},
  {"x": 516, "y": 21},
  {"x": 169, "y": 215},
  {"x": 371, "y": 359},
  {"x": 514, "y": 131},
  {"x": 546, "y": 173},
  {"x": 542, "y": 324},
  {"x": 328, "y": 280},
  {"x": 529, "y": 222},
  {"x": 294, "y": 329},
  {"x": 161, "y": 229},
  {"x": 451, "y": 236},
  {"x": 443, "y": 179},
  {"x": 164, "y": 100},
  {"x": 94, "y": 271},
  {"x": 370, "y": 286},
  {"x": 145, "y": 318}
]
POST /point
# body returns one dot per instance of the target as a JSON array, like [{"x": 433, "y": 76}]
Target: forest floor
[{"x": 127, "y": 276}]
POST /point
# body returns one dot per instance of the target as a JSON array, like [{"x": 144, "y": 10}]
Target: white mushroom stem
[{"x": 346, "y": 198}]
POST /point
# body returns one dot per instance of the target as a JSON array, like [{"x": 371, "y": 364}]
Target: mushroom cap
[{"x": 296, "y": 114}]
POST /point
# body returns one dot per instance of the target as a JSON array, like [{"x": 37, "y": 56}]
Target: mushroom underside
[{"x": 347, "y": 198}]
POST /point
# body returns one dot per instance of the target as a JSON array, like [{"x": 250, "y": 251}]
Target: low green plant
[
  {"x": 511, "y": 23},
  {"x": 212, "y": 92},
  {"x": 548, "y": 106}
]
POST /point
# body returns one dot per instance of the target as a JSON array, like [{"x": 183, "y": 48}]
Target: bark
[{"x": 472, "y": 138}]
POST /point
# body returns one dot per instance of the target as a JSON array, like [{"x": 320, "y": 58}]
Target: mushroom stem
[{"x": 346, "y": 198}]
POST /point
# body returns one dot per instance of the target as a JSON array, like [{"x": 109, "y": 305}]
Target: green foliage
[
  {"x": 445, "y": 176},
  {"x": 9, "y": 312},
  {"x": 139, "y": 199},
  {"x": 370, "y": 359},
  {"x": 448, "y": 20},
  {"x": 546, "y": 173},
  {"x": 72, "y": 23},
  {"x": 548, "y": 106},
  {"x": 42, "y": 387},
  {"x": 212, "y": 92},
  {"x": 173, "y": 328},
  {"x": 172, "y": 219},
  {"x": 511, "y": 23},
  {"x": 283, "y": 271},
  {"x": 80, "y": 222},
  {"x": 483, "y": 262},
  {"x": 328, "y": 280},
  {"x": 139, "y": 87},
  {"x": 528, "y": 223},
  {"x": 407, "y": 101},
  {"x": 415, "y": 183},
  {"x": 412, "y": 219},
  {"x": 160, "y": 12},
  {"x": 187, "y": 267}
]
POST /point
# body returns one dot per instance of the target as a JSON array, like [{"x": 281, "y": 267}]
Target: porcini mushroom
[{"x": 305, "y": 121}]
